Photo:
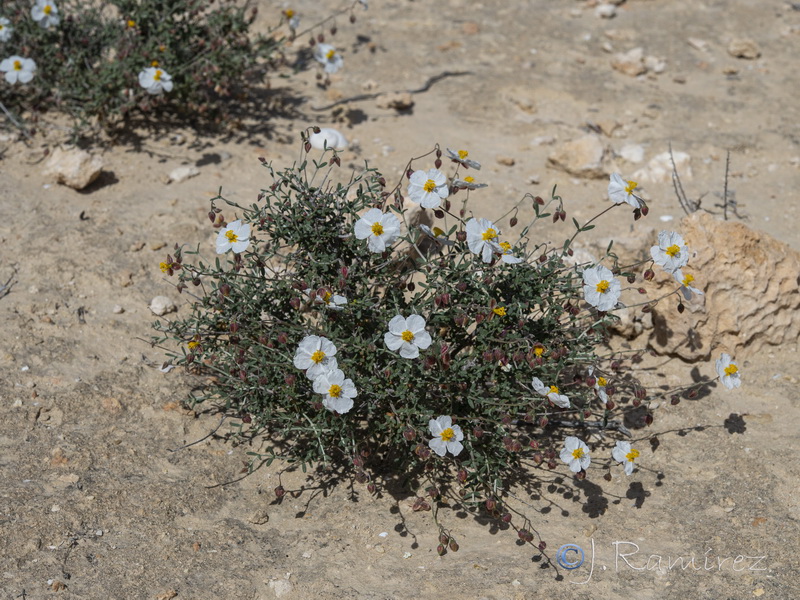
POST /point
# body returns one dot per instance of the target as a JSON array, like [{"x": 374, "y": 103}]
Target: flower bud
[
  {"x": 280, "y": 492},
  {"x": 543, "y": 422},
  {"x": 648, "y": 419},
  {"x": 610, "y": 405},
  {"x": 295, "y": 303},
  {"x": 439, "y": 214},
  {"x": 551, "y": 464},
  {"x": 437, "y": 163},
  {"x": 490, "y": 504},
  {"x": 453, "y": 545},
  {"x": 674, "y": 399},
  {"x": 290, "y": 380},
  {"x": 681, "y": 307},
  {"x": 462, "y": 475},
  {"x": 645, "y": 210},
  {"x": 538, "y": 458},
  {"x": 477, "y": 432},
  {"x": 409, "y": 434},
  {"x": 631, "y": 278},
  {"x": 440, "y": 550},
  {"x": 307, "y": 146},
  {"x": 409, "y": 173},
  {"x": 461, "y": 236}
]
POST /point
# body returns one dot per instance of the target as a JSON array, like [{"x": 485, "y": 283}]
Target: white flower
[
  {"x": 436, "y": 234},
  {"x": 468, "y": 183},
  {"x": 45, "y": 13},
  {"x": 407, "y": 335},
  {"x": 461, "y": 158},
  {"x": 508, "y": 256},
  {"x": 685, "y": 280},
  {"x": 155, "y": 80},
  {"x": 550, "y": 392},
  {"x": 338, "y": 391},
  {"x": 17, "y": 69},
  {"x": 5, "y": 29},
  {"x": 575, "y": 454},
  {"x": 600, "y": 288},
  {"x": 446, "y": 436},
  {"x": 333, "y": 301},
  {"x": 327, "y": 55},
  {"x": 235, "y": 236},
  {"x": 292, "y": 18},
  {"x": 428, "y": 188},
  {"x": 728, "y": 372},
  {"x": 482, "y": 238},
  {"x": 378, "y": 228},
  {"x": 315, "y": 355},
  {"x": 620, "y": 191},
  {"x": 600, "y": 385},
  {"x": 623, "y": 453},
  {"x": 671, "y": 252},
  {"x": 328, "y": 138}
]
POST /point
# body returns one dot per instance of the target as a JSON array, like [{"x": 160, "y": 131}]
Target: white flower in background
[
  {"x": 671, "y": 253},
  {"x": 407, "y": 335},
  {"x": 461, "y": 158},
  {"x": 600, "y": 288},
  {"x": 378, "y": 228},
  {"x": 508, "y": 255},
  {"x": 621, "y": 191},
  {"x": 5, "y": 29},
  {"x": 292, "y": 18},
  {"x": 328, "y": 56},
  {"x": 428, "y": 188},
  {"x": 436, "y": 234},
  {"x": 446, "y": 436},
  {"x": 482, "y": 238},
  {"x": 45, "y": 13},
  {"x": 468, "y": 183},
  {"x": 728, "y": 372},
  {"x": 236, "y": 237},
  {"x": 686, "y": 280},
  {"x": 155, "y": 80},
  {"x": 623, "y": 453},
  {"x": 18, "y": 69},
  {"x": 315, "y": 355},
  {"x": 600, "y": 384},
  {"x": 333, "y": 301},
  {"x": 575, "y": 454},
  {"x": 550, "y": 392},
  {"x": 338, "y": 391},
  {"x": 328, "y": 138}
]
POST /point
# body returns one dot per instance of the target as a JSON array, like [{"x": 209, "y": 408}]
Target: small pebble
[
  {"x": 161, "y": 305},
  {"x": 117, "y": 310}
]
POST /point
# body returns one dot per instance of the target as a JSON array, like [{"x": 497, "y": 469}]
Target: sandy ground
[{"x": 95, "y": 502}]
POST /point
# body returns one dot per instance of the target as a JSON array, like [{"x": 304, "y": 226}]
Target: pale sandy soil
[{"x": 91, "y": 493}]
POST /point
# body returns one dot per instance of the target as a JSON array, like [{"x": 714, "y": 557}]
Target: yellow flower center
[
  {"x": 17, "y": 65},
  {"x": 47, "y": 9},
  {"x": 407, "y": 336},
  {"x": 505, "y": 246},
  {"x": 462, "y": 154},
  {"x": 731, "y": 369},
  {"x": 429, "y": 186},
  {"x": 131, "y": 23},
  {"x": 577, "y": 453},
  {"x": 469, "y": 179},
  {"x": 448, "y": 435},
  {"x": 318, "y": 356},
  {"x": 193, "y": 344},
  {"x": 489, "y": 234},
  {"x": 632, "y": 455},
  {"x": 553, "y": 389},
  {"x": 631, "y": 186},
  {"x": 437, "y": 232},
  {"x": 232, "y": 237},
  {"x": 164, "y": 267},
  {"x": 688, "y": 279},
  {"x": 162, "y": 48},
  {"x": 673, "y": 250},
  {"x": 601, "y": 381},
  {"x": 154, "y": 63},
  {"x": 326, "y": 297},
  {"x": 538, "y": 351},
  {"x": 331, "y": 54},
  {"x": 499, "y": 310},
  {"x": 377, "y": 228},
  {"x": 602, "y": 287},
  {"x": 335, "y": 391},
  {"x": 289, "y": 13}
]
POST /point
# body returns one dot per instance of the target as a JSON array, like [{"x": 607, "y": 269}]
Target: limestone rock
[
  {"x": 744, "y": 48},
  {"x": 630, "y": 63},
  {"x": 74, "y": 168},
  {"x": 182, "y": 173},
  {"x": 161, "y": 305},
  {"x": 395, "y": 100},
  {"x": 582, "y": 157},
  {"x": 752, "y": 293},
  {"x": 659, "y": 169}
]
